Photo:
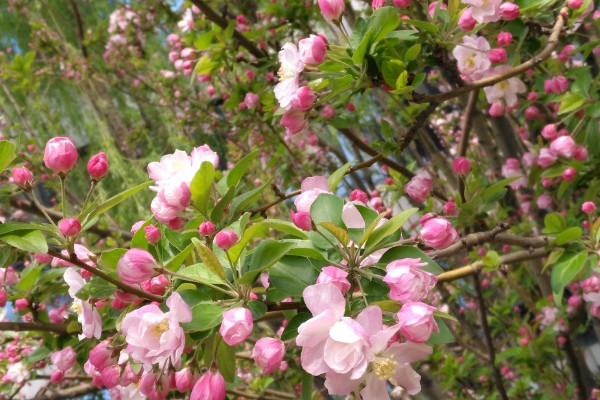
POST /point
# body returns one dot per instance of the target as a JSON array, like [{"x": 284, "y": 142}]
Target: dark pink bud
[
  {"x": 549, "y": 132},
  {"x": 23, "y": 177},
  {"x": 588, "y": 207},
  {"x": 57, "y": 376},
  {"x": 157, "y": 285},
  {"x": 510, "y": 11},
  {"x": 60, "y": 154},
  {"x": 110, "y": 376},
  {"x": 401, "y": 3},
  {"x": 210, "y": 386},
  {"x": 135, "y": 266},
  {"x": 206, "y": 228},
  {"x": 3, "y": 297},
  {"x": 461, "y": 165},
  {"x": 496, "y": 109},
  {"x": 497, "y": 55},
  {"x": 569, "y": 174},
  {"x": 466, "y": 22},
  {"x": 98, "y": 166},
  {"x": 303, "y": 99},
  {"x": 302, "y": 220},
  {"x": 69, "y": 226},
  {"x": 359, "y": 195},
  {"x": 504, "y": 39},
  {"x": 328, "y": 112},
  {"x": 332, "y": 9},
  {"x": 226, "y": 239},
  {"x": 21, "y": 304},
  {"x": 153, "y": 234}
]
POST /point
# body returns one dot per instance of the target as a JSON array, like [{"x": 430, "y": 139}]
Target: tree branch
[
  {"x": 33, "y": 326},
  {"x": 471, "y": 240},
  {"x": 417, "y": 123},
  {"x": 492, "y": 80},
  {"x": 71, "y": 392},
  {"x": 465, "y": 133}
]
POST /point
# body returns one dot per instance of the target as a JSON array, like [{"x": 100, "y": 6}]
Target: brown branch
[
  {"x": 465, "y": 132},
  {"x": 488, "y": 338},
  {"x": 79, "y": 22},
  {"x": 223, "y": 23},
  {"x": 474, "y": 239},
  {"x": 492, "y": 80},
  {"x": 510, "y": 239},
  {"x": 70, "y": 377},
  {"x": 478, "y": 265},
  {"x": 126, "y": 288},
  {"x": 33, "y": 326},
  {"x": 71, "y": 392},
  {"x": 417, "y": 123}
]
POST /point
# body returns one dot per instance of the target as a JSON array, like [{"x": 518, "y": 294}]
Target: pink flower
[
  {"x": 294, "y": 121},
  {"x": 401, "y": 3},
  {"x": 135, "y": 266},
  {"x": 546, "y": 158},
  {"x": 251, "y": 100},
  {"x": 303, "y": 99},
  {"x": 184, "y": 380},
  {"x": 375, "y": 4},
  {"x": 509, "y": 11},
  {"x": 512, "y": 169},
  {"x": 471, "y": 57},
  {"x": 588, "y": 207},
  {"x": 210, "y": 386},
  {"x": 485, "y": 11},
  {"x": 291, "y": 67},
  {"x": 157, "y": 285},
  {"x": 497, "y": 55},
  {"x": 312, "y": 50},
  {"x": 69, "y": 226},
  {"x": 175, "y": 194},
  {"x": 504, "y": 38},
  {"x": 328, "y": 112},
  {"x": 206, "y": 228},
  {"x": 335, "y": 276},
  {"x": 101, "y": 356},
  {"x": 563, "y": 146},
  {"x": 162, "y": 211},
  {"x": 268, "y": 353},
  {"x": 153, "y": 234},
  {"x": 57, "y": 376},
  {"x": 416, "y": 321},
  {"x": 332, "y": 9},
  {"x": 302, "y": 220},
  {"x": 154, "y": 337},
  {"x": 549, "y": 131},
  {"x": 352, "y": 217},
  {"x": 60, "y": 154},
  {"x": 506, "y": 90},
  {"x": 225, "y": 239},
  {"x": 461, "y": 165},
  {"x": 360, "y": 196},
  {"x": 530, "y": 160},
  {"x": 64, "y": 359},
  {"x": 569, "y": 174},
  {"x": 419, "y": 187},
  {"x": 450, "y": 208},
  {"x": 556, "y": 85},
  {"x": 311, "y": 188},
  {"x": 544, "y": 201},
  {"x": 8, "y": 276},
  {"x": 407, "y": 281},
  {"x": 496, "y": 109},
  {"x": 22, "y": 177},
  {"x": 97, "y": 167},
  {"x": 466, "y": 22},
  {"x": 236, "y": 326},
  {"x": 438, "y": 233},
  {"x": 88, "y": 317}
]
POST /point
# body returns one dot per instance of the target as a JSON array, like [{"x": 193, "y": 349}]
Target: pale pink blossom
[
  {"x": 64, "y": 359},
  {"x": 416, "y": 321},
  {"x": 438, "y": 233},
  {"x": 485, "y": 10},
  {"x": 236, "y": 326},
  {"x": 407, "y": 281},
  {"x": 512, "y": 169},
  {"x": 506, "y": 90},
  {"x": 419, "y": 187},
  {"x": 291, "y": 67},
  {"x": 268, "y": 353},
  {"x": 472, "y": 57},
  {"x": 311, "y": 188},
  {"x": 352, "y": 217},
  {"x": 336, "y": 276}
]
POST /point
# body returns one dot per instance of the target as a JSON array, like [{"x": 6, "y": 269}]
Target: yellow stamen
[
  {"x": 385, "y": 369},
  {"x": 160, "y": 328}
]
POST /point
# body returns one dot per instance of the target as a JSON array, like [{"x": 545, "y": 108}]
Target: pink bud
[
  {"x": 530, "y": 160},
  {"x": 438, "y": 233},
  {"x": 210, "y": 386},
  {"x": 111, "y": 376},
  {"x": 22, "y": 177},
  {"x": 532, "y": 112},
  {"x": 531, "y": 96},
  {"x": 581, "y": 154},
  {"x": 496, "y": 109},
  {"x": 60, "y": 154},
  {"x": 504, "y": 39},
  {"x": 466, "y": 22},
  {"x": 574, "y": 4},
  {"x": 57, "y": 376},
  {"x": 336, "y": 276},
  {"x": 135, "y": 227},
  {"x": 332, "y": 9},
  {"x": 268, "y": 353},
  {"x": 157, "y": 285},
  {"x": 359, "y": 195},
  {"x": 69, "y": 226},
  {"x": 101, "y": 356},
  {"x": 416, "y": 321},
  {"x": 98, "y": 166},
  {"x": 312, "y": 50},
  {"x": 294, "y": 122},
  {"x": 509, "y": 11},
  {"x": 461, "y": 165},
  {"x": 303, "y": 99},
  {"x": 569, "y": 174},
  {"x": 497, "y": 55},
  {"x": 375, "y": 4},
  {"x": 401, "y": 3},
  {"x": 546, "y": 158},
  {"x": 206, "y": 228},
  {"x": 136, "y": 266},
  {"x": 184, "y": 380},
  {"x": 226, "y": 239},
  {"x": 450, "y": 208},
  {"x": 3, "y": 297},
  {"x": 544, "y": 201},
  {"x": 588, "y": 207},
  {"x": 21, "y": 304},
  {"x": 419, "y": 187},
  {"x": 563, "y": 146},
  {"x": 549, "y": 131},
  {"x": 302, "y": 220},
  {"x": 575, "y": 301},
  {"x": 64, "y": 359},
  {"x": 565, "y": 53},
  {"x": 328, "y": 112},
  {"x": 557, "y": 85},
  {"x": 236, "y": 326},
  {"x": 153, "y": 234},
  {"x": 251, "y": 100}
]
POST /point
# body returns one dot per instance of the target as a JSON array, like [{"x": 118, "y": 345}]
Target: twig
[
  {"x": 417, "y": 123},
  {"x": 465, "y": 132},
  {"x": 510, "y": 239},
  {"x": 126, "y": 288},
  {"x": 33, "y": 326},
  {"x": 572, "y": 362},
  {"x": 79, "y": 22},
  {"x": 492, "y": 80},
  {"x": 488, "y": 338},
  {"x": 471, "y": 240},
  {"x": 71, "y": 392}
]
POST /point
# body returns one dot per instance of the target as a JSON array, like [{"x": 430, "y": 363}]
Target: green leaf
[
  {"x": 238, "y": 171},
  {"x": 412, "y": 52},
  {"x": 335, "y": 178},
  {"x": 113, "y": 201},
  {"x": 426, "y": 26},
  {"x": 383, "y": 21},
  {"x": 202, "y": 274},
  {"x": 37, "y": 355},
  {"x": 7, "y": 154},
  {"x": 340, "y": 234},
  {"x": 209, "y": 258},
  {"x": 399, "y": 252},
  {"x": 327, "y": 208},
  {"x": 443, "y": 336},
  {"x": 565, "y": 270},
  {"x": 291, "y": 329},
  {"x": 175, "y": 263},
  {"x": 99, "y": 288},
  {"x": 205, "y": 316},
  {"x": 390, "y": 227},
  {"x": 292, "y": 274},
  {"x": 402, "y": 80},
  {"x": 307, "y": 383},
  {"x": 405, "y": 35},
  {"x": 15, "y": 226},
  {"x": 257, "y": 308},
  {"x": 241, "y": 202},
  {"x": 201, "y": 186},
  {"x": 204, "y": 41},
  {"x": 571, "y": 102},
  {"x": 568, "y": 235},
  {"x": 26, "y": 240},
  {"x": 28, "y": 277},
  {"x": 206, "y": 66},
  {"x": 217, "y": 213},
  {"x": 554, "y": 223},
  {"x": 266, "y": 254},
  {"x": 491, "y": 259},
  {"x": 226, "y": 361},
  {"x": 109, "y": 259}
]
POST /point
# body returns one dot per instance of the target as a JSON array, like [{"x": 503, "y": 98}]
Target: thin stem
[
  {"x": 41, "y": 208},
  {"x": 89, "y": 194},
  {"x": 64, "y": 197},
  {"x": 187, "y": 278}
]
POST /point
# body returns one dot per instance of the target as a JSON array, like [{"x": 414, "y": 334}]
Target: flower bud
[
  {"x": 588, "y": 207},
  {"x": 569, "y": 174},
  {"x": 496, "y": 109},
  {"x": 153, "y": 234},
  {"x": 497, "y": 55},
  {"x": 416, "y": 321},
  {"x": 509, "y": 11},
  {"x": 328, "y": 112},
  {"x": 438, "y": 233},
  {"x": 157, "y": 285},
  {"x": 21, "y": 304},
  {"x": 461, "y": 165},
  {"x": 563, "y": 146},
  {"x": 268, "y": 353},
  {"x": 251, "y": 100},
  {"x": 504, "y": 39},
  {"x": 226, "y": 239},
  {"x": 64, "y": 359},
  {"x": 57, "y": 376},
  {"x": 3, "y": 297},
  {"x": 336, "y": 276},
  {"x": 184, "y": 380},
  {"x": 419, "y": 187},
  {"x": 407, "y": 281},
  {"x": 450, "y": 208},
  {"x": 97, "y": 167},
  {"x": 581, "y": 154},
  {"x": 101, "y": 356},
  {"x": 111, "y": 376},
  {"x": 236, "y": 326},
  {"x": 312, "y": 50},
  {"x": 136, "y": 266},
  {"x": 546, "y": 158},
  {"x": 23, "y": 177},
  {"x": 69, "y": 226},
  {"x": 360, "y": 196},
  {"x": 549, "y": 132},
  {"x": 302, "y": 220},
  {"x": 60, "y": 154},
  {"x": 206, "y": 228},
  {"x": 332, "y": 9},
  {"x": 574, "y": 4},
  {"x": 466, "y": 22},
  {"x": 293, "y": 121},
  {"x": 544, "y": 201},
  {"x": 303, "y": 99},
  {"x": 401, "y": 3},
  {"x": 210, "y": 386}
]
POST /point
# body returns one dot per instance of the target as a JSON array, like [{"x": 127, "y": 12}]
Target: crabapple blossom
[
  {"x": 332, "y": 9},
  {"x": 336, "y": 276},
  {"x": 291, "y": 67},
  {"x": 210, "y": 386},
  {"x": 506, "y": 90},
  {"x": 60, "y": 154},
  {"x": 312, "y": 50},
  {"x": 268, "y": 353},
  {"x": 471, "y": 57},
  {"x": 69, "y": 226},
  {"x": 407, "y": 281},
  {"x": 311, "y": 188},
  {"x": 135, "y": 266},
  {"x": 97, "y": 167},
  {"x": 225, "y": 239},
  {"x": 236, "y": 326},
  {"x": 416, "y": 321},
  {"x": 438, "y": 233},
  {"x": 419, "y": 187}
]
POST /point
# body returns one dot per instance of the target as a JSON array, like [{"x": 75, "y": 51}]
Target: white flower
[
  {"x": 506, "y": 90},
  {"x": 291, "y": 67}
]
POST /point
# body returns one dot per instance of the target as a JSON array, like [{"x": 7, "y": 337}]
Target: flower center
[
  {"x": 77, "y": 308},
  {"x": 470, "y": 61},
  {"x": 385, "y": 369},
  {"x": 503, "y": 85},
  {"x": 160, "y": 328},
  {"x": 286, "y": 73}
]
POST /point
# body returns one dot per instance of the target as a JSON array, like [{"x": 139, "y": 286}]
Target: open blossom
[
  {"x": 289, "y": 74},
  {"x": 180, "y": 166},
  {"x": 472, "y": 57},
  {"x": 153, "y": 336},
  {"x": 407, "y": 281},
  {"x": 506, "y": 90},
  {"x": 187, "y": 22},
  {"x": 311, "y": 188},
  {"x": 336, "y": 276},
  {"x": 485, "y": 10}
]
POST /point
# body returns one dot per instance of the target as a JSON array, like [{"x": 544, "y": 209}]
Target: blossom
[
  {"x": 268, "y": 353},
  {"x": 485, "y": 10},
  {"x": 416, "y": 321},
  {"x": 506, "y": 90},
  {"x": 311, "y": 188},
  {"x": 187, "y": 22},
  {"x": 336, "y": 276},
  {"x": 180, "y": 166},
  {"x": 438, "y": 233},
  {"x": 472, "y": 58},
  {"x": 60, "y": 154},
  {"x": 419, "y": 187},
  {"x": 291, "y": 67},
  {"x": 236, "y": 326},
  {"x": 64, "y": 359},
  {"x": 352, "y": 217},
  {"x": 153, "y": 336},
  {"x": 512, "y": 169},
  {"x": 407, "y": 281}
]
